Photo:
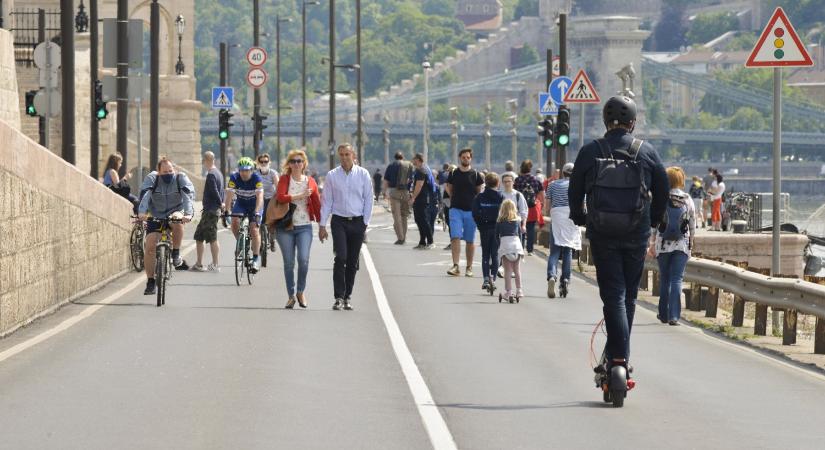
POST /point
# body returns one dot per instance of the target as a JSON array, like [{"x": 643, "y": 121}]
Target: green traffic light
[
  {"x": 223, "y": 134},
  {"x": 548, "y": 142},
  {"x": 101, "y": 113},
  {"x": 564, "y": 139},
  {"x": 31, "y": 111}
]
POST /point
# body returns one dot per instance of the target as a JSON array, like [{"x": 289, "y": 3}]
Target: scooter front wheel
[{"x": 618, "y": 385}]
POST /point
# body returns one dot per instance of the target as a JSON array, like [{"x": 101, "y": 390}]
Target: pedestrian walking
[
  {"x": 531, "y": 188},
  {"x": 443, "y": 177},
  {"x": 510, "y": 250},
  {"x": 697, "y": 194},
  {"x": 397, "y": 178},
  {"x": 717, "y": 197},
  {"x": 347, "y": 205},
  {"x": 423, "y": 196},
  {"x": 564, "y": 234},
  {"x": 507, "y": 180},
  {"x": 294, "y": 235},
  {"x": 671, "y": 245},
  {"x": 377, "y": 180},
  {"x": 462, "y": 186},
  {"x": 486, "y": 207},
  {"x": 626, "y": 188},
  {"x": 207, "y": 230},
  {"x": 709, "y": 184},
  {"x": 269, "y": 178}
]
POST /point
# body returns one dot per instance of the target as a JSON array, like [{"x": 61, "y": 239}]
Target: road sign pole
[
  {"x": 43, "y": 121},
  {"x": 549, "y": 152},
  {"x": 581, "y": 126},
  {"x": 223, "y": 69},
  {"x": 154, "y": 85},
  {"x": 139, "y": 141},
  {"x": 561, "y": 155},
  {"x": 777, "y": 166}
]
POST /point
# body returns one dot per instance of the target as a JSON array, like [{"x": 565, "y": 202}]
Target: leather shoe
[
  {"x": 290, "y": 303},
  {"x": 302, "y": 302}
]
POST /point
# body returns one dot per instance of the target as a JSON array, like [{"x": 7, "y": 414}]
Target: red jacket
[{"x": 314, "y": 201}]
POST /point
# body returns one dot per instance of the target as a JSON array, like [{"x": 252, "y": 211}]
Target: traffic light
[
  {"x": 100, "y": 106},
  {"x": 30, "y": 109},
  {"x": 262, "y": 126},
  {"x": 563, "y": 126},
  {"x": 545, "y": 130},
  {"x": 224, "y": 124}
]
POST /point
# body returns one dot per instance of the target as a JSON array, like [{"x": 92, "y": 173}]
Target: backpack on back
[
  {"x": 676, "y": 221},
  {"x": 529, "y": 195},
  {"x": 617, "y": 198}
]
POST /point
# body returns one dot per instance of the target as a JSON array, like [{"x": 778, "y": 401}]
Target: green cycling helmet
[{"x": 246, "y": 163}]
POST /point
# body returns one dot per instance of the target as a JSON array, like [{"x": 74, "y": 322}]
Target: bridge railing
[{"x": 709, "y": 278}]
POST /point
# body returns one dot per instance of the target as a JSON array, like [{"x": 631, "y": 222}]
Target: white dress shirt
[{"x": 347, "y": 194}]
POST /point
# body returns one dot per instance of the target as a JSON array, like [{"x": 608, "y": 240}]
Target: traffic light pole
[
  {"x": 223, "y": 67},
  {"x": 548, "y": 151},
  {"x": 154, "y": 84},
  {"x": 123, "y": 81},
  {"x": 561, "y": 151},
  {"x": 43, "y": 121},
  {"x": 94, "y": 126},
  {"x": 67, "y": 99}
]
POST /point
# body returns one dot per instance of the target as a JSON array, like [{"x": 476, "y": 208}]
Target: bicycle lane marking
[
  {"x": 77, "y": 318},
  {"x": 434, "y": 423}
]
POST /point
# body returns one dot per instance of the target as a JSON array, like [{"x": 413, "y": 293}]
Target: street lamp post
[
  {"x": 513, "y": 129},
  {"x": 359, "y": 129},
  {"x": 426, "y": 66},
  {"x": 331, "y": 139},
  {"x": 304, "y": 71},
  {"x": 180, "y": 24},
  {"x": 332, "y": 92},
  {"x": 278, "y": 22}
]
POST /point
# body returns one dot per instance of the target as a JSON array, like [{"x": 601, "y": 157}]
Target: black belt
[{"x": 348, "y": 219}]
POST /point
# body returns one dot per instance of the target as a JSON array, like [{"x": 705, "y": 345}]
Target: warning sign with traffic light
[{"x": 779, "y": 45}]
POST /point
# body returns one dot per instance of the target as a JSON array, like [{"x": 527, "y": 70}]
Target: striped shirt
[{"x": 557, "y": 193}]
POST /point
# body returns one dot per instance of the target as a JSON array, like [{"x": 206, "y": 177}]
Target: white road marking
[
  {"x": 85, "y": 313},
  {"x": 439, "y": 434}
]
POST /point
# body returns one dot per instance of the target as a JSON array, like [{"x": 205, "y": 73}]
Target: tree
[
  {"x": 528, "y": 8},
  {"x": 747, "y": 118},
  {"x": 669, "y": 32},
  {"x": 708, "y": 26}
]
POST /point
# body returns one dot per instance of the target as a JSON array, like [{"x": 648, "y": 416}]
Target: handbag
[{"x": 279, "y": 215}]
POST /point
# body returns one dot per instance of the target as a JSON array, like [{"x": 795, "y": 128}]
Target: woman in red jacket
[{"x": 298, "y": 189}]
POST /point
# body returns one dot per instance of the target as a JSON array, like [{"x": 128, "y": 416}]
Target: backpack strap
[
  {"x": 635, "y": 146},
  {"x": 602, "y": 143}
]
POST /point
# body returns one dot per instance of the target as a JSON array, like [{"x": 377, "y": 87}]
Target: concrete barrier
[{"x": 62, "y": 233}]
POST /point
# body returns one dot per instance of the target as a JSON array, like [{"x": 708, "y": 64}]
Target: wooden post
[
  {"x": 688, "y": 292},
  {"x": 655, "y": 291},
  {"x": 738, "y": 311},
  {"x": 695, "y": 297},
  {"x": 644, "y": 284},
  {"x": 819, "y": 336},
  {"x": 760, "y": 321},
  {"x": 712, "y": 302},
  {"x": 789, "y": 327}
]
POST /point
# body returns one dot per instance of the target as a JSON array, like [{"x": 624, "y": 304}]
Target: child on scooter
[{"x": 510, "y": 250}]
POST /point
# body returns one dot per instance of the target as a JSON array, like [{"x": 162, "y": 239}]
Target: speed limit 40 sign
[{"x": 256, "y": 56}]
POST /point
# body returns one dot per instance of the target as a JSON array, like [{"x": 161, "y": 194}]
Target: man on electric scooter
[{"x": 626, "y": 190}]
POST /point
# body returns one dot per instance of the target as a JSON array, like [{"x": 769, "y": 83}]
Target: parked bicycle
[
  {"x": 163, "y": 257},
  {"x": 136, "y": 241},
  {"x": 243, "y": 251}
]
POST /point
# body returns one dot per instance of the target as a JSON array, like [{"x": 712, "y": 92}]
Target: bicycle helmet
[
  {"x": 619, "y": 110},
  {"x": 246, "y": 163}
]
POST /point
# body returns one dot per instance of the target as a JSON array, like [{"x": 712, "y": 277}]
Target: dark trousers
[
  {"x": 347, "y": 237},
  {"x": 528, "y": 239},
  {"x": 433, "y": 209},
  {"x": 618, "y": 272},
  {"x": 421, "y": 213},
  {"x": 489, "y": 253}
]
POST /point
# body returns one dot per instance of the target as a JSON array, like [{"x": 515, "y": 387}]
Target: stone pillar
[
  {"x": 83, "y": 107},
  {"x": 180, "y": 136},
  {"x": 9, "y": 97}
]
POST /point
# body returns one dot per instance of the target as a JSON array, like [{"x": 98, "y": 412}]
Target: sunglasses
[
  {"x": 296, "y": 161},
  {"x": 263, "y": 161}
]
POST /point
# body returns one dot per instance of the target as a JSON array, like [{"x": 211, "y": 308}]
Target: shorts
[
  {"x": 207, "y": 230},
  {"x": 462, "y": 225},
  {"x": 247, "y": 209}
]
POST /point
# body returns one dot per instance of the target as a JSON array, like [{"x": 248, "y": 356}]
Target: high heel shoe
[
  {"x": 301, "y": 300},
  {"x": 290, "y": 303}
]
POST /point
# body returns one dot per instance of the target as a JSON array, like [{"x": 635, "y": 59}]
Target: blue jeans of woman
[
  {"x": 297, "y": 240},
  {"x": 529, "y": 238},
  {"x": 671, "y": 272},
  {"x": 489, "y": 253},
  {"x": 566, "y": 254}
]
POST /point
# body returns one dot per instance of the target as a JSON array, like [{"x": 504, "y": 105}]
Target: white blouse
[{"x": 301, "y": 214}]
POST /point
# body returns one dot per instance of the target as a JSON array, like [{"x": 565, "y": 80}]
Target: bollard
[
  {"x": 760, "y": 321},
  {"x": 655, "y": 291},
  {"x": 695, "y": 297},
  {"x": 819, "y": 337},
  {"x": 789, "y": 327},
  {"x": 738, "y": 311},
  {"x": 712, "y": 302}
]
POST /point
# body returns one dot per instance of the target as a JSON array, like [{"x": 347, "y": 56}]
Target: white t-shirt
[
  {"x": 719, "y": 190},
  {"x": 301, "y": 214}
]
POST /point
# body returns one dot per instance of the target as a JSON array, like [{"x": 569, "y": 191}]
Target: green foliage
[
  {"x": 708, "y": 26},
  {"x": 803, "y": 14},
  {"x": 744, "y": 41},
  {"x": 528, "y": 56},
  {"x": 528, "y": 8},
  {"x": 669, "y": 32}
]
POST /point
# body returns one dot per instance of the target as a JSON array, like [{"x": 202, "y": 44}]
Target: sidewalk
[{"x": 800, "y": 354}]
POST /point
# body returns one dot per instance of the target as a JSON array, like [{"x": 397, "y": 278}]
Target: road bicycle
[
  {"x": 136, "y": 241},
  {"x": 264, "y": 230},
  {"x": 163, "y": 257},
  {"x": 243, "y": 254}
]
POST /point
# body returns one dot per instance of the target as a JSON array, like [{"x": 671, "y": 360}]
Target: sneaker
[
  {"x": 429, "y": 247},
  {"x": 551, "y": 287},
  {"x": 347, "y": 305},
  {"x": 468, "y": 272},
  {"x": 198, "y": 268},
  {"x": 519, "y": 293},
  {"x": 454, "y": 271},
  {"x": 448, "y": 246},
  {"x": 529, "y": 253},
  {"x": 177, "y": 261},
  {"x": 485, "y": 285},
  {"x": 253, "y": 269},
  {"x": 338, "y": 303},
  {"x": 420, "y": 247},
  {"x": 150, "y": 287},
  {"x": 399, "y": 242},
  {"x": 213, "y": 268},
  {"x": 500, "y": 272},
  {"x": 673, "y": 322}
]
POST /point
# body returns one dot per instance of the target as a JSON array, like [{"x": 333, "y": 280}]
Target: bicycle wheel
[
  {"x": 239, "y": 259},
  {"x": 136, "y": 247},
  {"x": 264, "y": 243},
  {"x": 248, "y": 260},
  {"x": 160, "y": 273}
]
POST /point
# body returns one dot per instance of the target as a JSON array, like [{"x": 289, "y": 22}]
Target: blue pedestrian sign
[
  {"x": 558, "y": 89},
  {"x": 223, "y": 97},
  {"x": 546, "y": 105}
]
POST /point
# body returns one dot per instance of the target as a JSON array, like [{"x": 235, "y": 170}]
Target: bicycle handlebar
[{"x": 166, "y": 220}]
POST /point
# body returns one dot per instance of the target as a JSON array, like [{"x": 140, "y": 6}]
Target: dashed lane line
[{"x": 434, "y": 423}]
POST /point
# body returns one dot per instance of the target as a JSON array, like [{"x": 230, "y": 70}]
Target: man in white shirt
[{"x": 347, "y": 204}]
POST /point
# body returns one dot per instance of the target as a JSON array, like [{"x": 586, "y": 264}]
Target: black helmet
[{"x": 619, "y": 109}]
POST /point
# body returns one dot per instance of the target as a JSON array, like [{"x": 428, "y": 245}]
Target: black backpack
[
  {"x": 529, "y": 195},
  {"x": 617, "y": 198}
]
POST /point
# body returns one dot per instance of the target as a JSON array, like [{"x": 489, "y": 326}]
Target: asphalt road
[{"x": 222, "y": 366}]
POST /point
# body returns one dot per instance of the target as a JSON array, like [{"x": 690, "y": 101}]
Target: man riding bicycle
[
  {"x": 163, "y": 200},
  {"x": 246, "y": 188}
]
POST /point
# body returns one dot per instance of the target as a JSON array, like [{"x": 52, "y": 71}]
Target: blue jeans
[
  {"x": 566, "y": 254},
  {"x": 528, "y": 239},
  {"x": 489, "y": 253},
  {"x": 619, "y": 267},
  {"x": 671, "y": 272},
  {"x": 300, "y": 239}
]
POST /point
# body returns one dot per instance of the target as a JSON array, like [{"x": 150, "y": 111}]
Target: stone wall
[
  {"x": 9, "y": 102},
  {"x": 61, "y": 232}
]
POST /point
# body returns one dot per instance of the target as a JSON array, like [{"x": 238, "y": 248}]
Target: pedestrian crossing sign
[
  {"x": 779, "y": 45},
  {"x": 582, "y": 90},
  {"x": 223, "y": 97},
  {"x": 547, "y": 107}
]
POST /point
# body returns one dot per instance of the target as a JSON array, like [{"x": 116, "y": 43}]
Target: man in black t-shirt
[
  {"x": 423, "y": 196},
  {"x": 463, "y": 185}
]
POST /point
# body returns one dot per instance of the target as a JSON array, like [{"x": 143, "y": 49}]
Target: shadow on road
[{"x": 579, "y": 404}]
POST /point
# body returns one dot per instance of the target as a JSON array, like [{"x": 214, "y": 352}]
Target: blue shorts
[
  {"x": 462, "y": 225},
  {"x": 247, "y": 209}
]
